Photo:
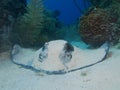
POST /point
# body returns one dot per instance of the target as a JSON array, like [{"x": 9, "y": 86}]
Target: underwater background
[
  {"x": 31, "y": 23},
  {"x": 80, "y": 33},
  {"x": 69, "y": 12}
]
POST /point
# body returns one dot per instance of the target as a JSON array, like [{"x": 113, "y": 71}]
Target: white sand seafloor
[{"x": 102, "y": 76}]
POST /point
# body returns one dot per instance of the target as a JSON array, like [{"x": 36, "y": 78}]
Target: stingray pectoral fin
[
  {"x": 94, "y": 56},
  {"x": 22, "y": 56},
  {"x": 91, "y": 57},
  {"x": 15, "y": 50}
]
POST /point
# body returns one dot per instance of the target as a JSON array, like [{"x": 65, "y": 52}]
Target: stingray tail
[{"x": 106, "y": 46}]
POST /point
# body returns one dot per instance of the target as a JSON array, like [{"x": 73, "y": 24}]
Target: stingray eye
[
  {"x": 45, "y": 46},
  {"x": 44, "y": 53},
  {"x": 69, "y": 55},
  {"x": 68, "y": 47},
  {"x": 66, "y": 54}
]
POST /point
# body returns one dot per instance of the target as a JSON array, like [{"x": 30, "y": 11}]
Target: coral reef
[
  {"x": 9, "y": 11},
  {"x": 101, "y": 3},
  {"x": 29, "y": 26},
  {"x": 11, "y": 8},
  {"x": 99, "y": 26},
  {"x": 37, "y": 26}
]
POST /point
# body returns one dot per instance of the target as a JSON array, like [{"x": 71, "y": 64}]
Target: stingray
[{"x": 58, "y": 57}]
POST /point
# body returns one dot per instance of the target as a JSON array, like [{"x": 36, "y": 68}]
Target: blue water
[{"x": 69, "y": 12}]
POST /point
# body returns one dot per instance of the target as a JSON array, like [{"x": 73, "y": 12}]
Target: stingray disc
[{"x": 58, "y": 56}]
